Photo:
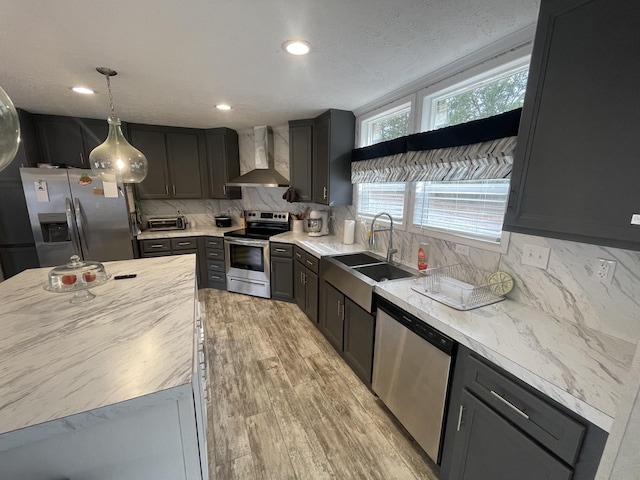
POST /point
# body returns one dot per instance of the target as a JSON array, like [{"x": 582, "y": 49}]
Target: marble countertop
[
  {"x": 582, "y": 369},
  {"x": 135, "y": 338},
  {"x": 318, "y": 246},
  {"x": 198, "y": 231}
]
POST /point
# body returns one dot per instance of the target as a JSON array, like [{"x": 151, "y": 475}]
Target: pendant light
[
  {"x": 9, "y": 130},
  {"x": 116, "y": 160}
]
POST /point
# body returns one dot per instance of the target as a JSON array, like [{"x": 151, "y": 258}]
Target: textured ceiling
[{"x": 177, "y": 59}]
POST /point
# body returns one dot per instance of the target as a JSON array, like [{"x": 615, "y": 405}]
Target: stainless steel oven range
[{"x": 247, "y": 253}]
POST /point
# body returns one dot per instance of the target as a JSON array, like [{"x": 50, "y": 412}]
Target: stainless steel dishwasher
[{"x": 411, "y": 369}]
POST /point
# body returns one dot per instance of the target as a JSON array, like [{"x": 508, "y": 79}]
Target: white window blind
[
  {"x": 374, "y": 198},
  {"x": 473, "y": 208}
]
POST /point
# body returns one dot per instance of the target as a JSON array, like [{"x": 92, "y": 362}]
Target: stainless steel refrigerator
[{"x": 73, "y": 212}]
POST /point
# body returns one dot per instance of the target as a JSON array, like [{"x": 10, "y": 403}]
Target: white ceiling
[{"x": 177, "y": 59}]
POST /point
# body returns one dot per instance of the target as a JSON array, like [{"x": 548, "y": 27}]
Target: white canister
[
  {"x": 297, "y": 226},
  {"x": 349, "y": 232}
]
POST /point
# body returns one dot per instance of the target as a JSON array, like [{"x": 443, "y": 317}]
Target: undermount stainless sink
[
  {"x": 381, "y": 272},
  {"x": 356, "y": 275}
]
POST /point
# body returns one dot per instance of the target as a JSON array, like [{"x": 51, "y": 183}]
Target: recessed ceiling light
[
  {"x": 83, "y": 90},
  {"x": 223, "y": 106},
  {"x": 297, "y": 47}
]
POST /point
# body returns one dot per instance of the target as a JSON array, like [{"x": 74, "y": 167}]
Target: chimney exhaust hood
[{"x": 264, "y": 174}]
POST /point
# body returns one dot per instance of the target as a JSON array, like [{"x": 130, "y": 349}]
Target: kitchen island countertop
[{"x": 133, "y": 340}]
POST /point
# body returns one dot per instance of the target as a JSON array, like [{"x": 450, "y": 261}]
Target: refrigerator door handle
[
  {"x": 83, "y": 240},
  {"x": 71, "y": 225}
]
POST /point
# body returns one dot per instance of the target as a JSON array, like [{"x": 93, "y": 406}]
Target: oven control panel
[{"x": 276, "y": 217}]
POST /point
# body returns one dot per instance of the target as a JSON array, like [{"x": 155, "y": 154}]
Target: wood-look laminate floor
[{"x": 284, "y": 405}]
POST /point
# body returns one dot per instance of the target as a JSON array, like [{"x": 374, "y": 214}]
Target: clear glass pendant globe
[
  {"x": 116, "y": 160},
  {"x": 9, "y": 130}
]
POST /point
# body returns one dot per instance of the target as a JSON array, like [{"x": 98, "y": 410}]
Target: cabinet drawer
[
  {"x": 184, "y": 243},
  {"x": 214, "y": 242},
  {"x": 153, "y": 246},
  {"x": 558, "y": 432},
  {"x": 299, "y": 254},
  {"x": 311, "y": 263},
  {"x": 281, "y": 250},
  {"x": 215, "y": 254},
  {"x": 215, "y": 266}
]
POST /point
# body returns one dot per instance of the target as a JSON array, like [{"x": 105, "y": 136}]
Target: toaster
[{"x": 175, "y": 222}]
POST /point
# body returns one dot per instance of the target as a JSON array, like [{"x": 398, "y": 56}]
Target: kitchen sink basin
[
  {"x": 356, "y": 259},
  {"x": 383, "y": 271},
  {"x": 356, "y": 275}
]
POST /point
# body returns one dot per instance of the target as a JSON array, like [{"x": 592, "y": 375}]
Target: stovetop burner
[{"x": 262, "y": 225}]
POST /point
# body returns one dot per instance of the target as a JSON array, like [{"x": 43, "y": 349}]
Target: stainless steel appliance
[
  {"x": 72, "y": 212},
  {"x": 247, "y": 253},
  {"x": 411, "y": 369},
  {"x": 167, "y": 222},
  {"x": 318, "y": 223}
]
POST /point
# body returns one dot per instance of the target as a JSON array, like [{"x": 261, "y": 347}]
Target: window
[
  {"x": 496, "y": 91},
  {"x": 473, "y": 209},
  {"x": 374, "y": 198},
  {"x": 386, "y": 123}
]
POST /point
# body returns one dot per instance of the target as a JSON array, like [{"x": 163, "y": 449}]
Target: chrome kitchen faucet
[{"x": 372, "y": 237}]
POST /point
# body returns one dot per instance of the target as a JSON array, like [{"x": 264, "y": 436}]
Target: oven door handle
[{"x": 251, "y": 243}]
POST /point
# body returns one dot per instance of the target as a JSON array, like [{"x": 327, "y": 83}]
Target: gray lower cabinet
[
  {"x": 350, "y": 329},
  {"x": 500, "y": 428},
  {"x": 332, "y": 321},
  {"x": 162, "y": 247},
  {"x": 282, "y": 275},
  {"x": 214, "y": 268},
  {"x": 306, "y": 283},
  {"x": 359, "y": 333},
  {"x": 576, "y": 170}
]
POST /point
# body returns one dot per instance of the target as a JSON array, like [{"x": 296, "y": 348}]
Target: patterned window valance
[
  {"x": 479, "y": 161},
  {"x": 481, "y": 149}
]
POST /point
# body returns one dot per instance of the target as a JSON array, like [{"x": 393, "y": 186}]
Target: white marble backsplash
[{"x": 566, "y": 289}]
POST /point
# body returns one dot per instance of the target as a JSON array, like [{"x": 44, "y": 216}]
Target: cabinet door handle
[
  {"x": 224, "y": 189},
  {"x": 324, "y": 194},
  {"x": 156, "y": 246},
  {"x": 280, "y": 250},
  {"x": 339, "y": 313},
  {"x": 309, "y": 263},
  {"x": 166, "y": 189},
  {"x": 509, "y": 404},
  {"x": 460, "y": 417},
  {"x": 174, "y": 189},
  {"x": 182, "y": 244},
  {"x": 81, "y": 158}
]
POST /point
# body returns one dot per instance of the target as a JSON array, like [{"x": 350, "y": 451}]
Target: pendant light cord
[{"x": 113, "y": 111}]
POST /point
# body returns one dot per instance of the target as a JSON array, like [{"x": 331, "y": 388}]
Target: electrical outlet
[
  {"x": 604, "y": 272},
  {"x": 535, "y": 256},
  {"x": 462, "y": 249}
]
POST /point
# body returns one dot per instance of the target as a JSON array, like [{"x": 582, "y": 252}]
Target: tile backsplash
[{"x": 566, "y": 289}]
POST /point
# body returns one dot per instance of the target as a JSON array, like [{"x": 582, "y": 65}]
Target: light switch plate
[
  {"x": 536, "y": 256},
  {"x": 635, "y": 219}
]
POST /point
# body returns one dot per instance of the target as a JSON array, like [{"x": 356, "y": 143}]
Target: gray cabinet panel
[
  {"x": 60, "y": 140},
  {"x": 576, "y": 172},
  {"x": 332, "y": 325},
  {"x": 489, "y": 447},
  {"x": 311, "y": 298},
  {"x": 359, "y": 332},
  {"x": 223, "y": 162},
  {"x": 282, "y": 278},
  {"x": 185, "y": 169},
  {"x": 152, "y": 145},
  {"x": 301, "y": 158}
]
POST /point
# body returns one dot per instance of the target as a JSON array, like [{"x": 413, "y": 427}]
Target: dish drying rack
[{"x": 461, "y": 287}]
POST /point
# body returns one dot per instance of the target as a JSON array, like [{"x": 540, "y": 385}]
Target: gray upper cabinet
[
  {"x": 576, "y": 170},
  {"x": 177, "y": 161},
  {"x": 333, "y": 141},
  {"x": 68, "y": 140},
  {"x": 223, "y": 163},
  {"x": 301, "y": 158}
]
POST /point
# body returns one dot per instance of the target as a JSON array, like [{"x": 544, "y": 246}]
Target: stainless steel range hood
[{"x": 265, "y": 174}]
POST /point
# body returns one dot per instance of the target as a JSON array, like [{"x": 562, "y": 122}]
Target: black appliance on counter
[{"x": 247, "y": 254}]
